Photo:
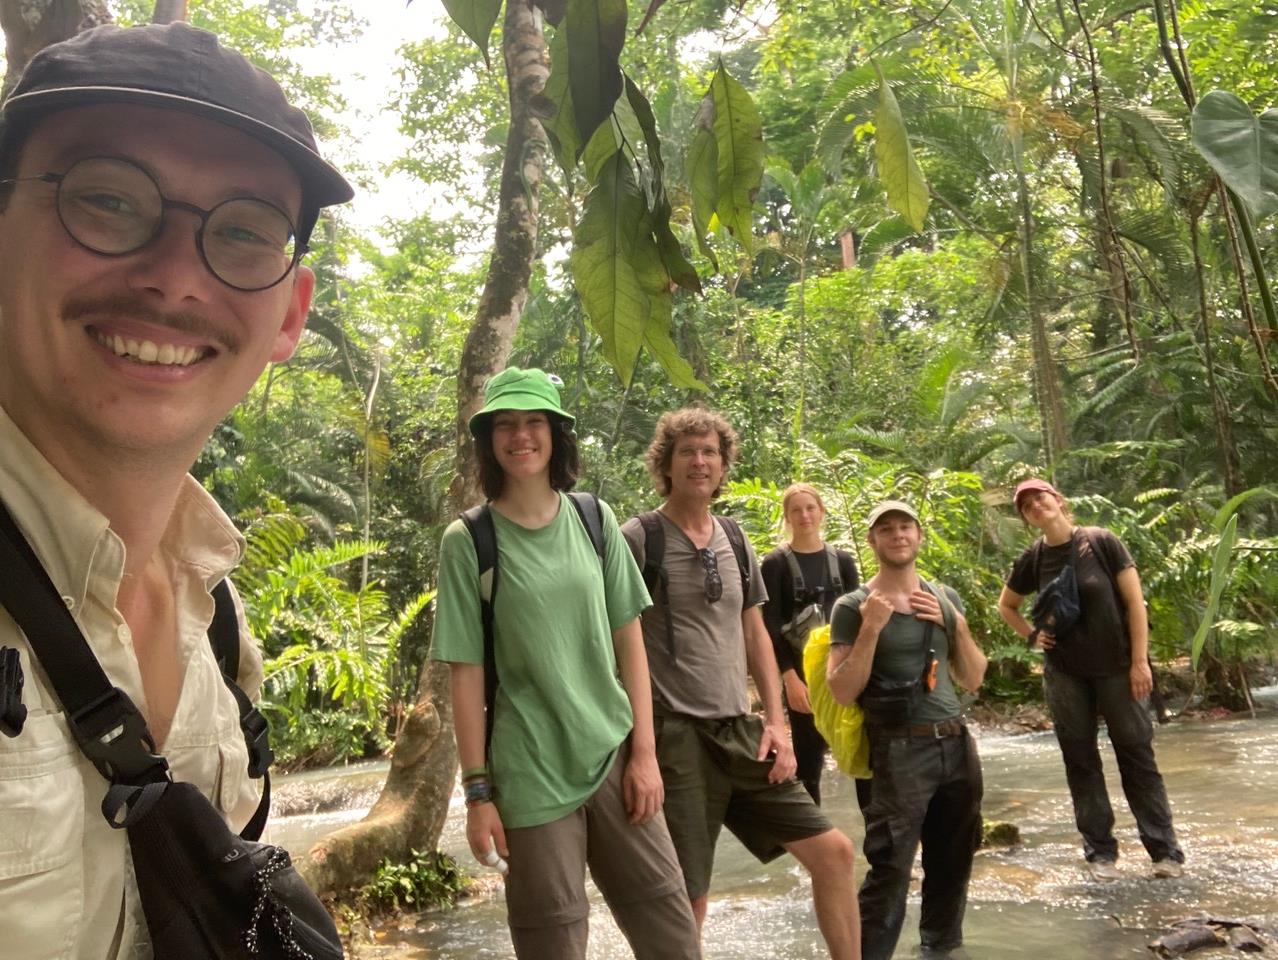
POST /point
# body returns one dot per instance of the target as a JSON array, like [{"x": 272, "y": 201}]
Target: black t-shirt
[
  {"x": 781, "y": 606},
  {"x": 1099, "y": 645}
]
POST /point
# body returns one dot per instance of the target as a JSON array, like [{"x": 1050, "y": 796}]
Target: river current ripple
[{"x": 1029, "y": 901}]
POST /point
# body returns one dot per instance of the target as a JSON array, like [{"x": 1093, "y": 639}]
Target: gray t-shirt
[
  {"x": 900, "y": 653},
  {"x": 706, "y": 673}
]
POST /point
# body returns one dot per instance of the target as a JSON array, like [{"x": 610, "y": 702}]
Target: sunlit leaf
[
  {"x": 672, "y": 255},
  {"x": 1219, "y": 578},
  {"x": 738, "y": 133},
  {"x": 899, "y": 172},
  {"x": 1241, "y": 148},
  {"x": 616, "y": 266},
  {"x": 659, "y": 343},
  {"x": 702, "y": 165},
  {"x": 476, "y": 19},
  {"x": 596, "y": 32},
  {"x": 555, "y": 106}
]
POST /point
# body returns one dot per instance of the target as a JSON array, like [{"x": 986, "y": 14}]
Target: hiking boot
[
  {"x": 1103, "y": 871},
  {"x": 1168, "y": 869}
]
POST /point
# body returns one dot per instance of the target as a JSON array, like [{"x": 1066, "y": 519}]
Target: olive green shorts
[{"x": 712, "y": 780}]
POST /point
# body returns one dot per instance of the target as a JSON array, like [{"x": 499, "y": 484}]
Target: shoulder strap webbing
[
  {"x": 737, "y": 538},
  {"x": 591, "y": 514},
  {"x": 224, "y": 635},
  {"x": 1103, "y": 560},
  {"x": 654, "y": 569},
  {"x": 832, "y": 569},
  {"x": 797, "y": 583},
  {"x": 105, "y": 723},
  {"x": 479, "y": 523},
  {"x": 948, "y": 613}
]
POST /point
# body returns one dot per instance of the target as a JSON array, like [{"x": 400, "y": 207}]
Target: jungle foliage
[{"x": 920, "y": 250}]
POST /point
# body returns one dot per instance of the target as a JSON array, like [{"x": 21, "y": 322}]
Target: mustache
[{"x": 125, "y": 306}]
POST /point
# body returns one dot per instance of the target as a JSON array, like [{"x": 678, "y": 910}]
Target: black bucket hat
[{"x": 175, "y": 66}]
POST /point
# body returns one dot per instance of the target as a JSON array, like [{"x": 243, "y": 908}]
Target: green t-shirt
[
  {"x": 900, "y": 653},
  {"x": 561, "y": 711}
]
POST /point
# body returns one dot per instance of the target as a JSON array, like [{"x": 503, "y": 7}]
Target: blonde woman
[{"x": 803, "y": 577}]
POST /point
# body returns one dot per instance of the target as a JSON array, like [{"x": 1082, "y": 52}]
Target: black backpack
[
  {"x": 654, "y": 557},
  {"x": 479, "y": 523}
]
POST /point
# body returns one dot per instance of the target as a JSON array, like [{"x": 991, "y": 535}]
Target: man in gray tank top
[{"x": 897, "y": 646}]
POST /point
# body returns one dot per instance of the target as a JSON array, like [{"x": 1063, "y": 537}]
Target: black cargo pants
[{"x": 928, "y": 790}]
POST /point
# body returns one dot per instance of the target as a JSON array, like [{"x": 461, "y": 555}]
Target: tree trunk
[
  {"x": 411, "y": 810},
  {"x": 31, "y": 25},
  {"x": 167, "y": 11},
  {"x": 505, "y": 292},
  {"x": 1047, "y": 389}
]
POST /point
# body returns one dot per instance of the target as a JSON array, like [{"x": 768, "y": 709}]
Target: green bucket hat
[{"x": 517, "y": 389}]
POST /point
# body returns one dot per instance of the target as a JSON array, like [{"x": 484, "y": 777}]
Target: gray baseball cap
[
  {"x": 175, "y": 66},
  {"x": 890, "y": 506}
]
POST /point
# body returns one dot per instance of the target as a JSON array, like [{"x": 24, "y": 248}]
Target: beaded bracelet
[{"x": 478, "y": 791}]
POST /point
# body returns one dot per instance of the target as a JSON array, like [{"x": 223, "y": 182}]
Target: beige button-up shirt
[{"x": 66, "y": 884}]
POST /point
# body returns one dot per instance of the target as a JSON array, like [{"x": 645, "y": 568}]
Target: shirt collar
[{"x": 69, "y": 535}]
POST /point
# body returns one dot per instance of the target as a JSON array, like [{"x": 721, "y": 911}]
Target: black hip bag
[{"x": 207, "y": 893}]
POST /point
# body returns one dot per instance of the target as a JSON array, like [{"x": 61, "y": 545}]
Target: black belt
[{"x": 946, "y": 728}]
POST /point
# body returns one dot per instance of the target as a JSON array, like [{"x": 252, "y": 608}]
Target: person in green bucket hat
[{"x": 564, "y": 773}]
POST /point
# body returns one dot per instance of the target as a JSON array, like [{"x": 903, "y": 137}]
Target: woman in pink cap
[{"x": 1098, "y": 664}]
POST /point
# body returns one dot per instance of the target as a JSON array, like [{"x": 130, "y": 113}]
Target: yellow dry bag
[{"x": 843, "y": 727}]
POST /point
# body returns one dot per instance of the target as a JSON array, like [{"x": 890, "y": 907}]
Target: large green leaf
[
  {"x": 738, "y": 134},
  {"x": 476, "y": 19},
  {"x": 899, "y": 172},
  {"x": 555, "y": 105},
  {"x": 1219, "y": 578},
  {"x": 596, "y": 33},
  {"x": 702, "y": 164},
  {"x": 672, "y": 254},
  {"x": 616, "y": 266},
  {"x": 662, "y": 347},
  {"x": 1241, "y": 148}
]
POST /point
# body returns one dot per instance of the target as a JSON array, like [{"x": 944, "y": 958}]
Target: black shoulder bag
[
  {"x": 1057, "y": 609},
  {"x": 207, "y": 893}
]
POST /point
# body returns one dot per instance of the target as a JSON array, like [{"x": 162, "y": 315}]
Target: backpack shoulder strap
[
  {"x": 1101, "y": 556},
  {"x": 797, "y": 583},
  {"x": 832, "y": 569},
  {"x": 479, "y": 523},
  {"x": 224, "y": 636},
  {"x": 736, "y": 537},
  {"x": 654, "y": 569},
  {"x": 590, "y": 512},
  {"x": 948, "y": 613},
  {"x": 654, "y": 549}
]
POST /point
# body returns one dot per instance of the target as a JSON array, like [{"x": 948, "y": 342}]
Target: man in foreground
[
  {"x": 897, "y": 645},
  {"x": 158, "y": 192},
  {"x": 721, "y": 765}
]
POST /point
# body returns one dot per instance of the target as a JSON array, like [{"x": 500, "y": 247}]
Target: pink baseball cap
[{"x": 1032, "y": 486}]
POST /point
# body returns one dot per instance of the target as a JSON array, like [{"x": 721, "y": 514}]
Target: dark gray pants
[
  {"x": 1075, "y": 703},
  {"x": 924, "y": 790}
]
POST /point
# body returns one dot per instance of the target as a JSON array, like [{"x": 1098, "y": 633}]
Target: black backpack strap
[
  {"x": 654, "y": 569},
  {"x": 108, "y": 728},
  {"x": 591, "y": 513},
  {"x": 224, "y": 636},
  {"x": 798, "y": 585},
  {"x": 479, "y": 522},
  {"x": 835, "y": 580},
  {"x": 736, "y": 537}
]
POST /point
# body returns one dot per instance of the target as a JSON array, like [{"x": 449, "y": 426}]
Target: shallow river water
[{"x": 1029, "y": 901}]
